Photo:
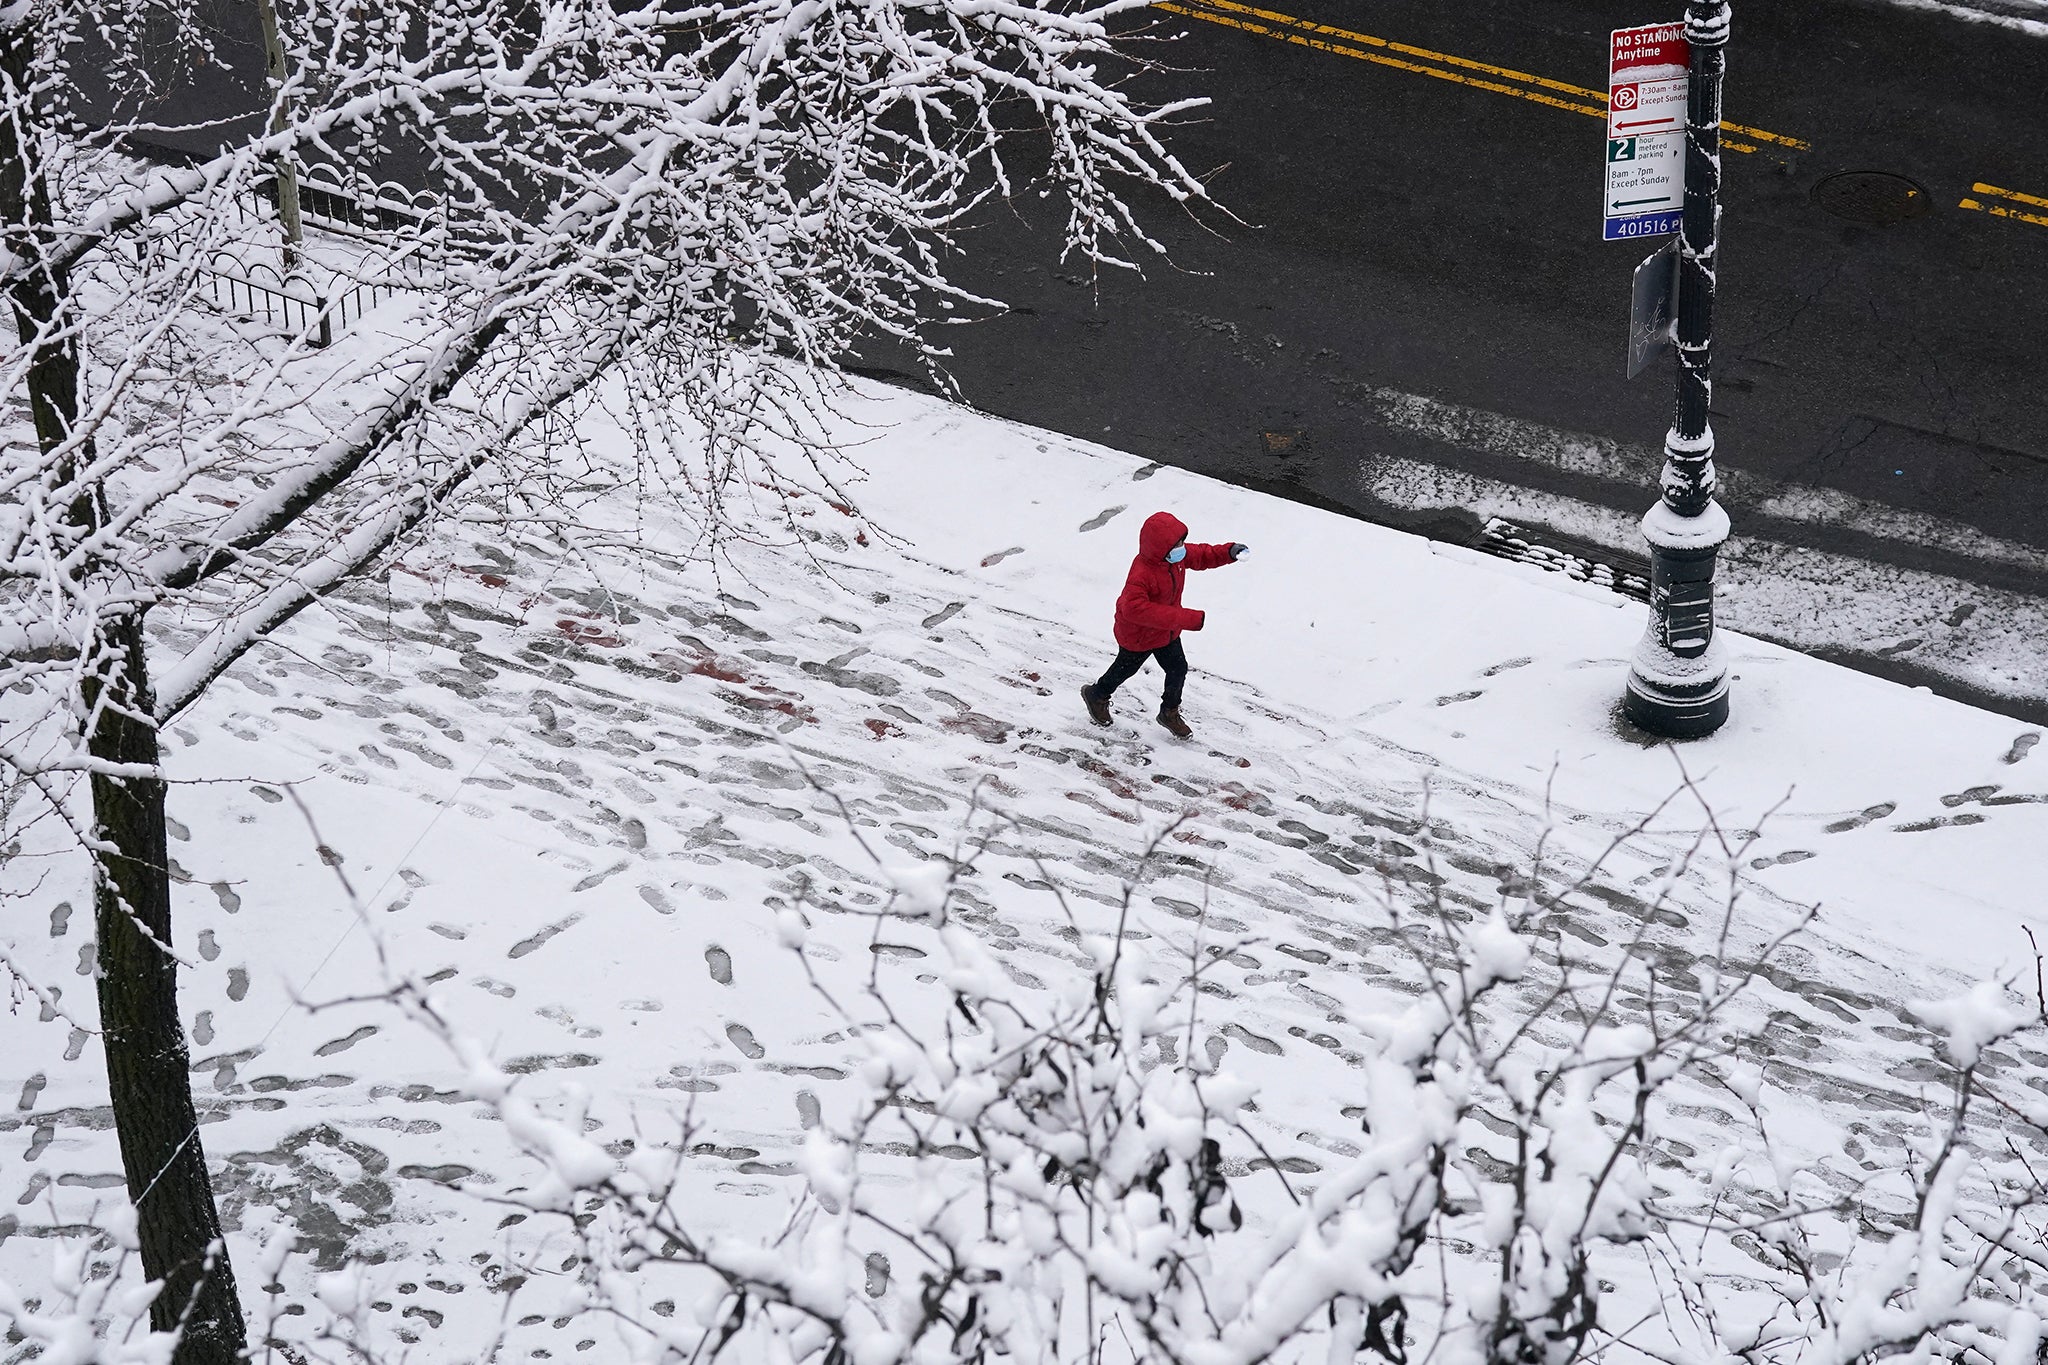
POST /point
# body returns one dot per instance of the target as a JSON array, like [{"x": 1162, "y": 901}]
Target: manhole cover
[{"x": 1878, "y": 198}]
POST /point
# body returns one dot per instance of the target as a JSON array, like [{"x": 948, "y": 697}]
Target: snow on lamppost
[{"x": 1678, "y": 681}]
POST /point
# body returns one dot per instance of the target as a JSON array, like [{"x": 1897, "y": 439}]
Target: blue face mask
[{"x": 1176, "y": 554}]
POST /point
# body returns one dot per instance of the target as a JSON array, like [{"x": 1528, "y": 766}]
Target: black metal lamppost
[{"x": 1678, "y": 681}]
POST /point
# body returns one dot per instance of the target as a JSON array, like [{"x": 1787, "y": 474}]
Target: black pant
[{"x": 1172, "y": 658}]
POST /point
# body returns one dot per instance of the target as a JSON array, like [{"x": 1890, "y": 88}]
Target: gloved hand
[{"x": 1238, "y": 552}]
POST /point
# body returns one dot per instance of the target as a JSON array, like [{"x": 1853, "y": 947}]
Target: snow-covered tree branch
[
  {"x": 1073, "y": 1176},
  {"x": 691, "y": 211}
]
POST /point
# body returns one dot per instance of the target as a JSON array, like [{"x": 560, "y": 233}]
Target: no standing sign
[{"x": 1646, "y": 87}]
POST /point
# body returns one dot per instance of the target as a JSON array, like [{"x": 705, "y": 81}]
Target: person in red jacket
[{"x": 1150, "y": 618}]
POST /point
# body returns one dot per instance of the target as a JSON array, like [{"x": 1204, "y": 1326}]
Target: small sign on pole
[
  {"x": 1653, "y": 308},
  {"x": 1647, "y": 77}
]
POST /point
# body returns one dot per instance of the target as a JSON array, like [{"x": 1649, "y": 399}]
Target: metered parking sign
[
  {"x": 1645, "y": 185},
  {"x": 1647, "y": 80}
]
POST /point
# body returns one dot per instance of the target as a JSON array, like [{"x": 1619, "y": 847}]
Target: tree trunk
[
  {"x": 285, "y": 167},
  {"x": 148, "y": 1069}
]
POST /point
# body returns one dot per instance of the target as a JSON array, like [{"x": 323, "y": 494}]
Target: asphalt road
[
  {"x": 1415, "y": 248},
  {"x": 1403, "y": 232}
]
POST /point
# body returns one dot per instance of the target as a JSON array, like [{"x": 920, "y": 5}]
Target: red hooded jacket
[{"x": 1148, "y": 612}]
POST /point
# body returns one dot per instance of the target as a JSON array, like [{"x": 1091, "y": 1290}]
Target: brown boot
[
  {"x": 1098, "y": 705},
  {"x": 1169, "y": 716}
]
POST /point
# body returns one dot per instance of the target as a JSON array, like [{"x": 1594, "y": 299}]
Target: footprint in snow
[
  {"x": 1794, "y": 855},
  {"x": 1939, "y": 822},
  {"x": 1000, "y": 555},
  {"x": 593, "y": 880},
  {"x": 556, "y": 1014},
  {"x": 527, "y": 945},
  {"x": 1523, "y": 662},
  {"x": 742, "y": 1038},
  {"x": 1102, "y": 518},
  {"x": 689, "y": 1085},
  {"x": 2021, "y": 746},
  {"x": 1861, "y": 818},
  {"x": 344, "y": 1044},
  {"x": 1326, "y": 1041},
  {"x": 719, "y": 962},
  {"x": 1969, "y": 794},
  {"x": 1256, "y": 1042},
  {"x": 1458, "y": 697}
]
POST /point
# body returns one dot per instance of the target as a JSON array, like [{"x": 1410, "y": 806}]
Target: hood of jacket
[{"x": 1160, "y": 533}]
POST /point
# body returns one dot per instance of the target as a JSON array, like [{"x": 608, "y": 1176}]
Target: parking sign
[{"x": 1647, "y": 80}]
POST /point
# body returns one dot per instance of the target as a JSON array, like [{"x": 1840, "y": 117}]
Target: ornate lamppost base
[
  {"x": 1676, "y": 710},
  {"x": 1678, "y": 681}
]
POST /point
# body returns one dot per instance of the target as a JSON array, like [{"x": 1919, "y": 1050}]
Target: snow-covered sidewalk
[
  {"x": 1399, "y": 656},
  {"x": 574, "y": 801}
]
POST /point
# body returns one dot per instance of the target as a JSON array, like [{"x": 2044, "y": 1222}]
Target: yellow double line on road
[
  {"x": 2002, "y": 210},
  {"x": 1444, "y": 66}
]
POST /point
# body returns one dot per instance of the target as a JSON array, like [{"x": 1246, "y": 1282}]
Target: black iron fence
[
  {"x": 360, "y": 209},
  {"x": 387, "y": 213},
  {"x": 256, "y": 290}
]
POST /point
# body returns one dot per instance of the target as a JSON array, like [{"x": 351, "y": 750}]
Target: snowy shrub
[
  {"x": 89, "y": 1312},
  {"x": 1067, "y": 1175},
  {"x": 1942, "y": 1255}
]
